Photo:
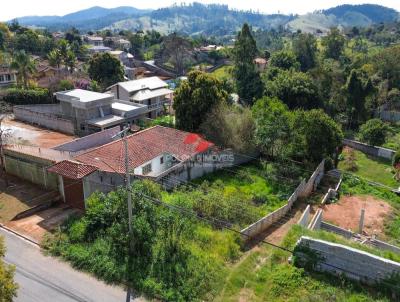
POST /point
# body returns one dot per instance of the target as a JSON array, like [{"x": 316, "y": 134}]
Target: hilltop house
[
  {"x": 165, "y": 155},
  {"x": 152, "y": 92},
  {"x": 94, "y": 40}
]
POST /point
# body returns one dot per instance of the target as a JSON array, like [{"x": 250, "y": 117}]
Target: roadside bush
[{"x": 18, "y": 96}]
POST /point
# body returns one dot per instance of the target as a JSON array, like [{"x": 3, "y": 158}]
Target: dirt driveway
[
  {"x": 37, "y": 225},
  {"x": 26, "y": 134},
  {"x": 346, "y": 213}
]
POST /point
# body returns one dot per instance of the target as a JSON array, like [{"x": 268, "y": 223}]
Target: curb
[{"x": 19, "y": 235}]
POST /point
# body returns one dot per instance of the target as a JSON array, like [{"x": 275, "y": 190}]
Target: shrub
[
  {"x": 18, "y": 96},
  {"x": 374, "y": 132}
]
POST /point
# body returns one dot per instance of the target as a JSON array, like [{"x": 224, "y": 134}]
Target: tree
[
  {"x": 357, "y": 90},
  {"x": 176, "y": 50},
  {"x": 305, "y": 49},
  {"x": 28, "y": 41},
  {"x": 72, "y": 35},
  {"x": 295, "y": 89},
  {"x": 230, "y": 126},
  {"x": 105, "y": 69},
  {"x": 374, "y": 132},
  {"x": 272, "y": 125},
  {"x": 248, "y": 81},
  {"x": 315, "y": 135},
  {"x": 8, "y": 288},
  {"x": 55, "y": 58},
  {"x": 136, "y": 41},
  {"x": 70, "y": 61},
  {"x": 195, "y": 98},
  {"x": 334, "y": 44},
  {"x": 24, "y": 65},
  {"x": 284, "y": 59}
]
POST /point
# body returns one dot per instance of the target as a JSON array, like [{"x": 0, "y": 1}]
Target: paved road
[{"x": 46, "y": 279}]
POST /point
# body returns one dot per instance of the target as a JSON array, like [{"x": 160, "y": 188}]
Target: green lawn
[{"x": 370, "y": 168}]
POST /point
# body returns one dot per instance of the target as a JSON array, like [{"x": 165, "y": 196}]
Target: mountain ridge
[{"x": 212, "y": 19}]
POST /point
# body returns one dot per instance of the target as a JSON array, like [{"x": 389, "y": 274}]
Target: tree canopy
[
  {"x": 374, "y": 132},
  {"x": 334, "y": 44},
  {"x": 105, "y": 69},
  {"x": 195, "y": 98},
  {"x": 8, "y": 288}
]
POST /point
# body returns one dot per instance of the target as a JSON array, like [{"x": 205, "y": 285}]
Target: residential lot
[{"x": 26, "y": 134}]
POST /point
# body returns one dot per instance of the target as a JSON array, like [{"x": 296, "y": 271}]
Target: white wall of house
[{"x": 159, "y": 164}]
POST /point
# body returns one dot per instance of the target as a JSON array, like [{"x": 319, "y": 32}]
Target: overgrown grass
[
  {"x": 265, "y": 275},
  {"x": 370, "y": 168},
  {"x": 240, "y": 196}
]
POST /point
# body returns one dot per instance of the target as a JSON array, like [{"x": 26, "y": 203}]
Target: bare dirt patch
[
  {"x": 37, "y": 225},
  {"x": 26, "y": 134},
  {"x": 18, "y": 197},
  {"x": 346, "y": 213}
]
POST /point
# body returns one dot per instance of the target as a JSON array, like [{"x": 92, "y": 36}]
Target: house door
[{"x": 73, "y": 190}]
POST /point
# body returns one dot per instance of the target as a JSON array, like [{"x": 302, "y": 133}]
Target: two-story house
[{"x": 152, "y": 92}]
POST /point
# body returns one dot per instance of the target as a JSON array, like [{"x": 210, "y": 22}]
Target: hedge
[{"x": 17, "y": 96}]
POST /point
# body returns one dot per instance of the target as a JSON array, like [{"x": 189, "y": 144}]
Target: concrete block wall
[
  {"x": 316, "y": 221},
  {"x": 314, "y": 180},
  {"x": 47, "y": 120},
  {"x": 384, "y": 245},
  {"x": 389, "y": 116},
  {"x": 303, "y": 221},
  {"x": 33, "y": 170},
  {"x": 355, "y": 264},
  {"x": 370, "y": 150},
  {"x": 337, "y": 230}
]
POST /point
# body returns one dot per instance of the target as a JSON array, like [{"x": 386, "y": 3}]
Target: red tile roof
[
  {"x": 145, "y": 146},
  {"x": 72, "y": 169}
]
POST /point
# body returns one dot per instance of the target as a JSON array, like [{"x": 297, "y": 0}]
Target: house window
[
  {"x": 162, "y": 160},
  {"x": 146, "y": 169}
]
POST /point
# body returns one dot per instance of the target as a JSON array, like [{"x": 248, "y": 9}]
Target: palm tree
[
  {"x": 70, "y": 60},
  {"x": 24, "y": 65},
  {"x": 55, "y": 58}
]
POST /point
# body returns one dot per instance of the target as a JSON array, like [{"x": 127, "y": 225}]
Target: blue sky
[{"x": 17, "y": 8}]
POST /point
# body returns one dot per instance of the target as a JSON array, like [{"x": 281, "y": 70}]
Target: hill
[
  {"x": 88, "y": 19},
  {"x": 344, "y": 16},
  {"x": 213, "y": 19},
  {"x": 197, "y": 18}
]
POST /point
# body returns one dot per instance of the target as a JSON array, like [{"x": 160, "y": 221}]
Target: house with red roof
[{"x": 166, "y": 155}]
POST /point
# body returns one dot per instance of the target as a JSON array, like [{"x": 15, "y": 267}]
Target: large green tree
[
  {"x": 272, "y": 125},
  {"x": 305, "y": 49},
  {"x": 195, "y": 98},
  {"x": 248, "y": 80},
  {"x": 334, "y": 44},
  {"x": 374, "y": 132},
  {"x": 295, "y": 89},
  {"x": 8, "y": 288},
  {"x": 315, "y": 135},
  {"x": 284, "y": 59},
  {"x": 105, "y": 69}
]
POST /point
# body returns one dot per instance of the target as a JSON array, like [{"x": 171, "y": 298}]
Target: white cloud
[{"x": 18, "y": 8}]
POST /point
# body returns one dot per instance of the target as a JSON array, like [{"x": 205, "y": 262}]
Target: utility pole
[{"x": 123, "y": 134}]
